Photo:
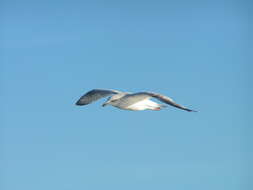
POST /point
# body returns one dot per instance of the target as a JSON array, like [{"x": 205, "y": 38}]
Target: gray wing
[
  {"x": 143, "y": 95},
  {"x": 94, "y": 95}
]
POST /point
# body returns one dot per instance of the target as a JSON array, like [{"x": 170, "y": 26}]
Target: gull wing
[
  {"x": 94, "y": 95},
  {"x": 143, "y": 95}
]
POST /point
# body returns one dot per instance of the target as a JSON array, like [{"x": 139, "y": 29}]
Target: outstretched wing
[
  {"x": 94, "y": 95},
  {"x": 162, "y": 98}
]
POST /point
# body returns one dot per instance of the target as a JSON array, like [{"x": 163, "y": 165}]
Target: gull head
[{"x": 114, "y": 100}]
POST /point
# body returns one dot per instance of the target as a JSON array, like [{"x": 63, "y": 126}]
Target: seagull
[{"x": 129, "y": 101}]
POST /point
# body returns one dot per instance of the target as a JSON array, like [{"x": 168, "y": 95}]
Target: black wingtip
[
  {"x": 192, "y": 110},
  {"x": 189, "y": 110},
  {"x": 79, "y": 103}
]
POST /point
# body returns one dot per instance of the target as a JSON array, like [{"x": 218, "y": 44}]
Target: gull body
[
  {"x": 129, "y": 101},
  {"x": 123, "y": 103},
  {"x": 145, "y": 105}
]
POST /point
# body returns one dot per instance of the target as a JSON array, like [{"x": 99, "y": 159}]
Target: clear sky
[{"x": 196, "y": 52}]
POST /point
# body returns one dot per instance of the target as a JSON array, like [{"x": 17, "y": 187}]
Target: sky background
[{"x": 196, "y": 52}]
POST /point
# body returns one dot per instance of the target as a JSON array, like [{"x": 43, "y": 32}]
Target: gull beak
[{"x": 104, "y": 104}]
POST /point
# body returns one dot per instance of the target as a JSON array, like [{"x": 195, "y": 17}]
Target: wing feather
[
  {"x": 94, "y": 95},
  {"x": 161, "y": 98}
]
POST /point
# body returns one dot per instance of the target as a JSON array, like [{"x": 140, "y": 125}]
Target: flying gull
[{"x": 129, "y": 101}]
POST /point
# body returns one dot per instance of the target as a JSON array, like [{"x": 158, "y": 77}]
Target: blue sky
[{"x": 52, "y": 52}]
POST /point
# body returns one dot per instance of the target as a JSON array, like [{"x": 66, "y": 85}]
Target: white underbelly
[{"x": 143, "y": 105}]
